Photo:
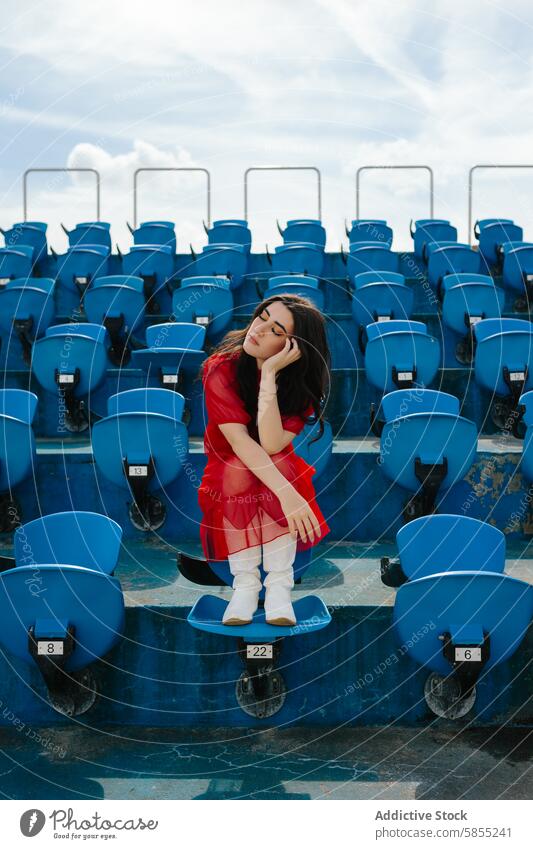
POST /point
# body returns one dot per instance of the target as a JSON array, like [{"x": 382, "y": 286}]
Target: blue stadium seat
[
  {"x": 29, "y": 233},
  {"x": 445, "y": 258},
  {"x": 78, "y": 268},
  {"x": 370, "y": 230},
  {"x": 89, "y": 233},
  {"x": 298, "y": 258},
  {"x": 492, "y": 233},
  {"x": 517, "y": 269},
  {"x": 381, "y": 300},
  {"x": 15, "y": 262},
  {"x": 426, "y": 446},
  {"x": 26, "y": 311},
  {"x": 444, "y": 543},
  {"x": 296, "y": 284},
  {"x": 155, "y": 265},
  {"x": 400, "y": 354},
  {"x": 71, "y": 361},
  {"x": 466, "y": 622},
  {"x": 60, "y": 609},
  {"x": 17, "y": 449},
  {"x": 526, "y": 410},
  {"x": 155, "y": 233},
  {"x": 207, "y": 301},
  {"x": 230, "y": 231},
  {"x": 175, "y": 349},
  {"x": 368, "y": 256},
  {"x": 468, "y": 299},
  {"x": 141, "y": 445},
  {"x": 503, "y": 365},
  {"x": 304, "y": 231},
  {"x": 431, "y": 230},
  {"x": 316, "y": 452},
  {"x": 117, "y": 302},
  {"x": 221, "y": 260}
]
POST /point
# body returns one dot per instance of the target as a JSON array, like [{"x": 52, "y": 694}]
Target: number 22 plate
[{"x": 259, "y": 651}]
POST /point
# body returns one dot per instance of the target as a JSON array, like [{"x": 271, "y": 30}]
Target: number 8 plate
[{"x": 49, "y": 647}]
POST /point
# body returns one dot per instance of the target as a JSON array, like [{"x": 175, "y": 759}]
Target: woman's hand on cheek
[{"x": 283, "y": 358}]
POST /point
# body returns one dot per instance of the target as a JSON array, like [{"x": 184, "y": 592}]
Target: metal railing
[
  {"x": 190, "y": 170},
  {"x": 63, "y": 170},
  {"x": 471, "y": 188},
  {"x": 394, "y": 168},
  {"x": 284, "y": 168}
]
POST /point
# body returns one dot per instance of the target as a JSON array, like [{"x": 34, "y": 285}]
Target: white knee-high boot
[
  {"x": 244, "y": 566},
  {"x": 278, "y": 559}
]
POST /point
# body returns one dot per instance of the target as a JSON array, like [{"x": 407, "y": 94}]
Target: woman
[{"x": 261, "y": 384}]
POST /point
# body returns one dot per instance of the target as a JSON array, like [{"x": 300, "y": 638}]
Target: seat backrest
[
  {"x": 366, "y": 277},
  {"x": 177, "y": 334},
  {"x": 492, "y": 326},
  {"x": 166, "y": 402},
  {"x": 94, "y": 331},
  {"x": 405, "y": 402},
  {"x": 444, "y": 542},
  {"x": 127, "y": 280},
  {"x": 291, "y": 279},
  {"x": 382, "y": 328},
  {"x": 77, "y": 538},
  {"x": 19, "y": 404}
]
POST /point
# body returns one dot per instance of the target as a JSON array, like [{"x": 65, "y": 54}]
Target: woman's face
[{"x": 268, "y": 331}]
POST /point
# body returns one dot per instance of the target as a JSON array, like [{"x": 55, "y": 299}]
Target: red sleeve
[
  {"x": 296, "y": 423},
  {"x": 222, "y": 399}
]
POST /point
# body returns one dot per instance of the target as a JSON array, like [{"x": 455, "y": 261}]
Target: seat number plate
[
  {"x": 202, "y": 320},
  {"x": 66, "y": 378},
  {"x": 405, "y": 375},
  {"x": 470, "y": 653},
  {"x": 383, "y": 317},
  {"x": 517, "y": 375},
  {"x": 50, "y": 647},
  {"x": 138, "y": 471},
  {"x": 170, "y": 378},
  {"x": 259, "y": 651}
]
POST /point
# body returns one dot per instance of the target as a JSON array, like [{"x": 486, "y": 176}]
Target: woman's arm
[
  {"x": 299, "y": 515},
  {"x": 272, "y": 436}
]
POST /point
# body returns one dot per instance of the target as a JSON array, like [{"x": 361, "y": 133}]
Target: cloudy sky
[{"x": 335, "y": 84}]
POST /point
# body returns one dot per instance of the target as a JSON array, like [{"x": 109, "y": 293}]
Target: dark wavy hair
[{"x": 300, "y": 384}]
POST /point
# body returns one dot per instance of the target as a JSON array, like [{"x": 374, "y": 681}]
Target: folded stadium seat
[
  {"x": 117, "y": 302},
  {"x": 296, "y": 284},
  {"x": 450, "y": 258},
  {"x": 71, "y": 361},
  {"x": 431, "y": 230},
  {"x": 230, "y": 231},
  {"x": 155, "y": 233},
  {"x": 426, "y": 446},
  {"x": 17, "y": 450},
  {"x": 370, "y": 230},
  {"x": 90, "y": 233},
  {"x": 400, "y": 354},
  {"x": 174, "y": 352},
  {"x": 141, "y": 445},
  {"x": 518, "y": 271},
  {"x": 467, "y": 623},
  {"x": 77, "y": 269},
  {"x": 304, "y": 231},
  {"x": 15, "y": 262},
  {"x": 155, "y": 264},
  {"x": 29, "y": 233},
  {"x": 468, "y": 299},
  {"x": 380, "y": 296},
  {"x": 526, "y": 410},
  {"x": 371, "y": 256},
  {"x": 60, "y": 607},
  {"x": 26, "y": 311},
  {"x": 207, "y": 301},
  {"x": 503, "y": 365},
  {"x": 444, "y": 543},
  {"x": 492, "y": 233},
  {"x": 221, "y": 260},
  {"x": 298, "y": 258}
]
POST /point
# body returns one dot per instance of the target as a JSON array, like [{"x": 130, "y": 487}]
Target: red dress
[{"x": 239, "y": 510}]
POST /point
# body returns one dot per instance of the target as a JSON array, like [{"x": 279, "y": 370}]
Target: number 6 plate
[
  {"x": 259, "y": 651},
  {"x": 466, "y": 654}
]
